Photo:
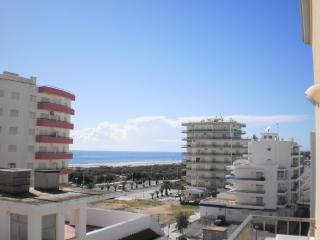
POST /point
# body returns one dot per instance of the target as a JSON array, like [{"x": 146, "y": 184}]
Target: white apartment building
[
  {"x": 212, "y": 145},
  {"x": 268, "y": 182},
  {"x": 34, "y": 125}
]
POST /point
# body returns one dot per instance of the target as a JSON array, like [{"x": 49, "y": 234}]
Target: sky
[{"x": 139, "y": 68}]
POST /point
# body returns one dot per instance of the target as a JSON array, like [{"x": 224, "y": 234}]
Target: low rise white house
[
  {"x": 267, "y": 182},
  {"x": 64, "y": 215}
]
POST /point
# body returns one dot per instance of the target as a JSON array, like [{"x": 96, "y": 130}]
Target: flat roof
[
  {"x": 215, "y": 228},
  {"x": 36, "y": 197}
]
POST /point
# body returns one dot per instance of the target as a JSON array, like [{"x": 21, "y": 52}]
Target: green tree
[
  {"x": 182, "y": 220},
  {"x": 166, "y": 186}
]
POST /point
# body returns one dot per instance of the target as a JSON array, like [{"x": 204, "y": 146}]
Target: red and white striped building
[{"x": 35, "y": 124}]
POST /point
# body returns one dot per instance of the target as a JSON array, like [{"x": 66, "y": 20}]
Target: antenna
[{"x": 277, "y": 128}]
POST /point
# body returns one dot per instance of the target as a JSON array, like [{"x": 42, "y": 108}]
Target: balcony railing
[
  {"x": 55, "y": 107},
  {"x": 275, "y": 225},
  {"x": 238, "y": 137},
  {"x": 251, "y": 179},
  {"x": 53, "y": 139},
  {"x": 214, "y": 153},
  {"x": 66, "y": 171},
  {"x": 45, "y": 122},
  {"x": 214, "y": 130},
  {"x": 249, "y": 191},
  {"x": 53, "y": 155},
  {"x": 57, "y": 91}
]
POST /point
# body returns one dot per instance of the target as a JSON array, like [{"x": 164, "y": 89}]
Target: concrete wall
[
  {"x": 118, "y": 224},
  {"x": 23, "y": 140}
]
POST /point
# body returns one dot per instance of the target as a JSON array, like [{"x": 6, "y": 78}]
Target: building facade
[
  {"x": 35, "y": 125},
  {"x": 212, "y": 145},
  {"x": 267, "y": 182}
]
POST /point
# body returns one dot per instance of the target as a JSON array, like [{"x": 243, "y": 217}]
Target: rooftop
[
  {"x": 213, "y": 120},
  {"x": 35, "y": 197}
]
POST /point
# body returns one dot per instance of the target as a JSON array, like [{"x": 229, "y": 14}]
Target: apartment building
[
  {"x": 212, "y": 145},
  {"x": 35, "y": 124},
  {"x": 267, "y": 182}
]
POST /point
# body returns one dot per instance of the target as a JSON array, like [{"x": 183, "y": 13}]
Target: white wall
[
  {"x": 25, "y": 88},
  {"x": 119, "y": 224}
]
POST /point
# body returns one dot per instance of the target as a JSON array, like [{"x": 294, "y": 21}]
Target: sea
[{"x": 117, "y": 158}]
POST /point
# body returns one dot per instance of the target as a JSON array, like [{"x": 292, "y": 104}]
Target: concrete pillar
[
  {"x": 81, "y": 222},
  {"x": 60, "y": 222},
  {"x": 35, "y": 227},
  {"x": 4, "y": 224}
]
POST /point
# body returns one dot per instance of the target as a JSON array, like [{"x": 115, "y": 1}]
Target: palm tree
[
  {"x": 166, "y": 186},
  {"x": 157, "y": 193},
  {"x": 161, "y": 190},
  {"x": 182, "y": 221},
  {"x": 152, "y": 195},
  {"x": 124, "y": 183}
]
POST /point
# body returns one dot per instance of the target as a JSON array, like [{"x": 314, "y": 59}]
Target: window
[
  {"x": 32, "y": 132},
  {"x": 1, "y": 93},
  {"x": 18, "y": 227},
  {"x": 14, "y": 113},
  {"x": 13, "y": 130},
  {"x": 33, "y": 98},
  {"x": 49, "y": 227},
  {"x": 30, "y": 148},
  {"x": 269, "y": 149},
  {"x": 197, "y": 159},
  {"x": 12, "y": 148},
  {"x": 15, "y": 95},
  {"x": 11, "y": 165},
  {"x": 32, "y": 115}
]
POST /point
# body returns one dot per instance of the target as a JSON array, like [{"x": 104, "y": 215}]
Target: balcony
[
  {"x": 249, "y": 192},
  {"x": 214, "y": 131},
  {"x": 66, "y": 171},
  {"x": 53, "y": 139},
  {"x": 55, "y": 107},
  {"x": 282, "y": 203},
  {"x": 53, "y": 155},
  {"x": 57, "y": 92},
  {"x": 276, "y": 225},
  {"x": 214, "y": 153},
  {"x": 260, "y": 179},
  {"x": 282, "y": 191},
  {"x": 44, "y": 122}
]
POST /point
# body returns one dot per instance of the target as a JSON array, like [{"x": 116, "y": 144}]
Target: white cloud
[{"x": 156, "y": 133}]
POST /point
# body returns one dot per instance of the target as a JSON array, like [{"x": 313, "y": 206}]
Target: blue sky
[{"x": 140, "y": 67}]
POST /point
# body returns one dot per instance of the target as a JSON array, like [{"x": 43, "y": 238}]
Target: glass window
[
  {"x": 14, "y": 113},
  {"x": 12, "y": 148},
  {"x": 33, "y": 98},
  {"x": 49, "y": 227},
  {"x": 18, "y": 227},
  {"x": 15, "y": 95},
  {"x": 13, "y": 130}
]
